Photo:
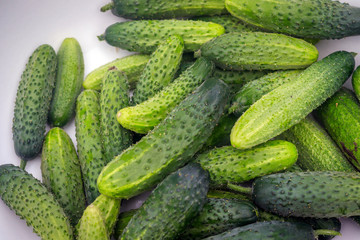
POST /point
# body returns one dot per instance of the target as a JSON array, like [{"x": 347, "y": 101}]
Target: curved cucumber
[{"x": 356, "y": 82}]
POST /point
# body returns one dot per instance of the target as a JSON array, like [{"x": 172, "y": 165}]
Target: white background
[{"x": 26, "y": 24}]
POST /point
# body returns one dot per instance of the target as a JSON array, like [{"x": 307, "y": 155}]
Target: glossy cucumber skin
[
  {"x": 145, "y": 116},
  {"x": 61, "y": 173},
  {"x": 258, "y": 51},
  {"x": 171, "y": 206},
  {"x": 69, "y": 78},
  {"x": 172, "y": 143},
  {"x": 291, "y": 102},
  {"x": 30, "y": 200},
  {"x": 160, "y": 69},
  {"x": 89, "y": 142},
  {"x": 322, "y": 19},
  {"x": 145, "y": 35},
  {"x": 33, "y": 102},
  {"x": 356, "y": 82},
  {"x": 114, "y": 95},
  {"x": 132, "y": 66}
]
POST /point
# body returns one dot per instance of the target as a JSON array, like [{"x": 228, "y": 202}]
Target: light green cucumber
[
  {"x": 92, "y": 225},
  {"x": 356, "y": 82}
]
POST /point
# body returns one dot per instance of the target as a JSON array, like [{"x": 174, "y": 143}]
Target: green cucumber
[
  {"x": 356, "y": 82},
  {"x": 172, "y": 143},
  {"x": 132, "y": 66},
  {"x": 89, "y": 141},
  {"x": 145, "y": 35},
  {"x": 114, "y": 95},
  {"x": 258, "y": 51},
  {"x": 69, "y": 78},
  {"x": 33, "y": 102},
  {"x": 213, "y": 193},
  {"x": 254, "y": 90},
  {"x": 123, "y": 220},
  {"x": 321, "y": 19},
  {"x": 160, "y": 69},
  {"x": 171, "y": 206},
  {"x": 288, "y": 104},
  {"x": 145, "y": 116},
  {"x": 30, "y": 200},
  {"x": 92, "y": 225}
]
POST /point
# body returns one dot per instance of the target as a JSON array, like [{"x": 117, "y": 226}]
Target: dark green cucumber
[
  {"x": 160, "y": 69},
  {"x": 61, "y": 173},
  {"x": 172, "y": 143},
  {"x": 356, "y": 82},
  {"x": 145, "y": 116},
  {"x": 171, "y": 206},
  {"x": 288, "y": 104},
  {"x": 33, "y": 102},
  {"x": 30, "y": 200},
  {"x": 88, "y": 137},
  {"x": 123, "y": 220},
  {"x": 258, "y": 51},
  {"x": 132, "y": 66},
  {"x": 114, "y": 96},
  {"x": 145, "y": 36},
  {"x": 213, "y": 193},
  {"x": 322, "y": 19},
  {"x": 69, "y": 78}
]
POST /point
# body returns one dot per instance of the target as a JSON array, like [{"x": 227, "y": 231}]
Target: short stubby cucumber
[
  {"x": 145, "y": 35},
  {"x": 356, "y": 82},
  {"x": 258, "y": 51},
  {"x": 160, "y": 69},
  {"x": 30, "y": 200},
  {"x": 132, "y": 66},
  {"x": 114, "y": 95},
  {"x": 321, "y": 19},
  {"x": 145, "y": 116},
  {"x": 288, "y": 104},
  {"x": 177, "y": 200},
  {"x": 33, "y": 102},
  {"x": 89, "y": 142},
  {"x": 69, "y": 78},
  {"x": 61, "y": 173},
  {"x": 231, "y": 165},
  {"x": 169, "y": 146}
]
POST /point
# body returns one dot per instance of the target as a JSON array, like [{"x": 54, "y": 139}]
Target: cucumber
[
  {"x": 258, "y": 51},
  {"x": 61, "y": 173},
  {"x": 171, "y": 206},
  {"x": 356, "y": 82},
  {"x": 172, "y": 143},
  {"x": 123, "y": 220},
  {"x": 160, "y": 69},
  {"x": 213, "y": 193},
  {"x": 69, "y": 78},
  {"x": 109, "y": 209},
  {"x": 89, "y": 141},
  {"x": 231, "y": 165},
  {"x": 254, "y": 90},
  {"x": 288, "y": 104},
  {"x": 114, "y": 95},
  {"x": 33, "y": 102},
  {"x": 322, "y": 19},
  {"x": 30, "y": 200},
  {"x": 340, "y": 117},
  {"x": 145, "y": 35},
  {"x": 132, "y": 66},
  {"x": 145, "y": 116}
]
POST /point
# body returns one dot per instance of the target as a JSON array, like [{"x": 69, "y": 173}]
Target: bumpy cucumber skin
[
  {"x": 258, "y": 51},
  {"x": 92, "y": 225},
  {"x": 356, "y": 82},
  {"x": 172, "y": 143},
  {"x": 254, "y": 90},
  {"x": 33, "y": 102},
  {"x": 109, "y": 209},
  {"x": 171, "y": 206},
  {"x": 317, "y": 151},
  {"x": 30, "y": 200},
  {"x": 132, "y": 66},
  {"x": 288, "y": 104},
  {"x": 228, "y": 164},
  {"x": 88, "y": 137},
  {"x": 61, "y": 173},
  {"x": 145, "y": 35},
  {"x": 123, "y": 220},
  {"x": 145, "y": 116},
  {"x": 340, "y": 117},
  {"x": 322, "y": 19},
  {"x": 114, "y": 95},
  {"x": 160, "y": 69},
  {"x": 69, "y": 78}
]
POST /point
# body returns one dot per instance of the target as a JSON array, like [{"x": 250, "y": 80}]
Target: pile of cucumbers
[{"x": 225, "y": 113}]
